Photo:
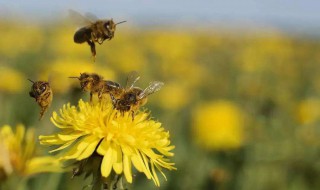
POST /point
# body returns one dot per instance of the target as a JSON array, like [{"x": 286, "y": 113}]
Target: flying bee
[
  {"x": 94, "y": 83},
  {"x": 42, "y": 93},
  {"x": 96, "y": 30},
  {"x": 131, "y": 98}
]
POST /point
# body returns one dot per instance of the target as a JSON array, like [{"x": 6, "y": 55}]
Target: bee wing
[
  {"x": 79, "y": 18},
  {"x": 112, "y": 84},
  {"x": 132, "y": 78},
  {"x": 91, "y": 16},
  {"x": 153, "y": 87}
]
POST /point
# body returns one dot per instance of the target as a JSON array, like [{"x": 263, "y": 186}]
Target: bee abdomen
[{"x": 82, "y": 35}]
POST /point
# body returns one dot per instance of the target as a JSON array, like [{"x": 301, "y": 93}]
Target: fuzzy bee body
[
  {"x": 128, "y": 100},
  {"x": 82, "y": 35},
  {"x": 111, "y": 87},
  {"x": 132, "y": 98},
  {"x": 42, "y": 93},
  {"x": 95, "y": 84},
  {"x": 96, "y": 31}
]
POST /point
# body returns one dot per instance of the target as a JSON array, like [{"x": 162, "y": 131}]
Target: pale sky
[{"x": 292, "y": 13}]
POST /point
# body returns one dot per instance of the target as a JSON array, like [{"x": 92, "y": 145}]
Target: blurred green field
[{"x": 242, "y": 108}]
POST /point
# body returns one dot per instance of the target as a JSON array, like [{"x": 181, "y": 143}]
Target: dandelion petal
[
  {"x": 103, "y": 147},
  {"x": 127, "y": 168},
  {"x": 117, "y": 165},
  {"x": 106, "y": 164},
  {"x": 89, "y": 150}
]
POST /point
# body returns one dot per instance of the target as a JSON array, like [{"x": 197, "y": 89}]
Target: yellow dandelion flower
[
  {"x": 182, "y": 48},
  {"x": 69, "y": 48},
  {"x": 15, "y": 81},
  {"x": 218, "y": 125},
  {"x": 308, "y": 111},
  {"x": 121, "y": 142},
  {"x": 17, "y": 154},
  {"x": 174, "y": 96},
  {"x": 134, "y": 59},
  {"x": 12, "y": 32}
]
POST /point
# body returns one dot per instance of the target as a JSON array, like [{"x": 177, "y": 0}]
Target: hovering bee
[
  {"x": 96, "y": 30},
  {"x": 42, "y": 93},
  {"x": 94, "y": 83},
  {"x": 131, "y": 98}
]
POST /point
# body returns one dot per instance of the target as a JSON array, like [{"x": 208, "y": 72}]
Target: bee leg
[
  {"x": 100, "y": 97},
  {"x": 132, "y": 114},
  {"x": 76, "y": 172},
  {"x": 100, "y": 41},
  {"x": 93, "y": 36},
  {"x": 93, "y": 49},
  {"x": 113, "y": 99},
  {"x": 90, "y": 97}
]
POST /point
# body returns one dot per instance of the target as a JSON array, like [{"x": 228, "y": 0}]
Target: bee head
[
  {"x": 86, "y": 84},
  {"x": 110, "y": 27},
  {"x": 41, "y": 87},
  {"x": 87, "y": 81},
  {"x": 96, "y": 78},
  {"x": 38, "y": 88},
  {"x": 130, "y": 98},
  {"x": 82, "y": 76}
]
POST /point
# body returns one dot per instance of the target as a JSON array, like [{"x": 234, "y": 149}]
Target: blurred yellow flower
[
  {"x": 181, "y": 44},
  {"x": 17, "y": 154},
  {"x": 173, "y": 96},
  {"x": 125, "y": 57},
  {"x": 62, "y": 44},
  {"x": 308, "y": 111},
  {"x": 14, "y": 80},
  {"x": 274, "y": 48},
  {"x": 14, "y": 43},
  {"x": 58, "y": 77},
  {"x": 218, "y": 125},
  {"x": 187, "y": 73},
  {"x": 120, "y": 140}
]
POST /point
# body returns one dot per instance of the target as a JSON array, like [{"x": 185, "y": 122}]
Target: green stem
[{"x": 114, "y": 182}]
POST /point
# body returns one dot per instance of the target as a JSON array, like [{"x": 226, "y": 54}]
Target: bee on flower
[{"x": 92, "y": 133}]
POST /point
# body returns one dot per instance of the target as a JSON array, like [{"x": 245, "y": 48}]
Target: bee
[
  {"x": 97, "y": 30},
  {"x": 42, "y": 93},
  {"x": 131, "y": 98},
  {"x": 94, "y": 83}
]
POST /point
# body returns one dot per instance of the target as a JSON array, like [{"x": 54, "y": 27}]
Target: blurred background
[{"x": 242, "y": 83}]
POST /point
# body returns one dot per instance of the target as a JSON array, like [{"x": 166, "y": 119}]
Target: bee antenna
[
  {"x": 31, "y": 80},
  {"x": 74, "y": 77},
  {"x": 121, "y": 22}
]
